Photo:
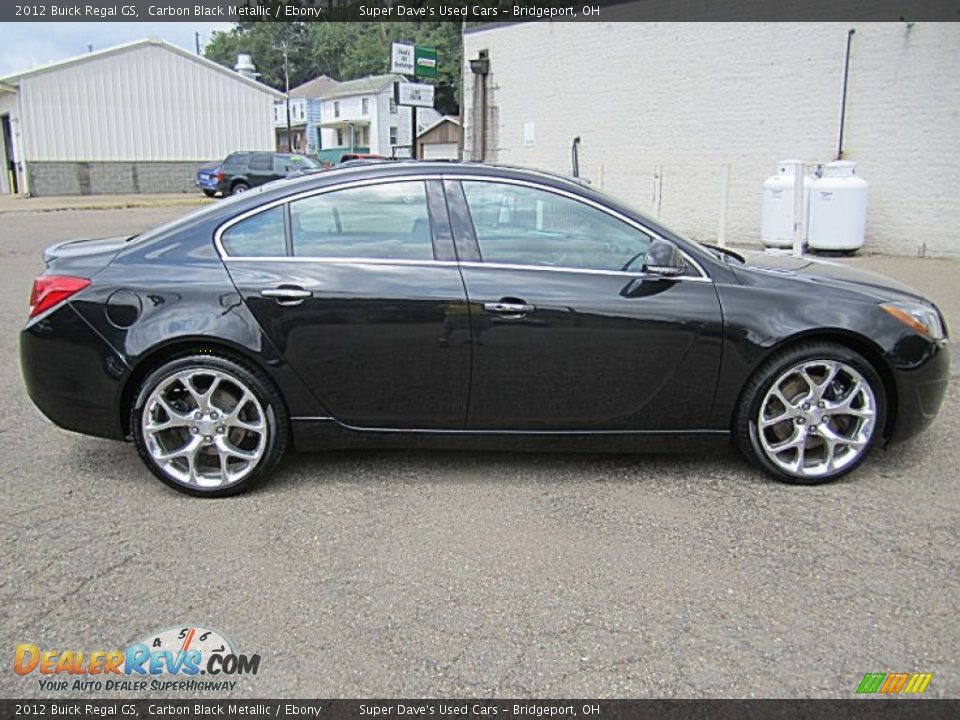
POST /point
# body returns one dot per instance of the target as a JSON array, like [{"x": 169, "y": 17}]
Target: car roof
[{"x": 402, "y": 167}]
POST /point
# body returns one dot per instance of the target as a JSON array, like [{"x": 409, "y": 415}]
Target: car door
[
  {"x": 358, "y": 288},
  {"x": 260, "y": 170},
  {"x": 569, "y": 332}
]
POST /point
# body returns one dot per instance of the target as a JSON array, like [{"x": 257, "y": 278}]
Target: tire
[
  {"x": 239, "y": 187},
  {"x": 800, "y": 406},
  {"x": 209, "y": 193},
  {"x": 209, "y": 426}
]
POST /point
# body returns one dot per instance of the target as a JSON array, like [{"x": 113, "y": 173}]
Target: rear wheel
[
  {"x": 240, "y": 187},
  {"x": 209, "y": 426},
  {"x": 811, "y": 413}
]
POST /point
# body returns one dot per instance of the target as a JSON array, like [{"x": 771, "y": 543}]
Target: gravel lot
[{"x": 447, "y": 574}]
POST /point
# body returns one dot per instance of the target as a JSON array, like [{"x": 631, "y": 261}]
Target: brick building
[{"x": 661, "y": 107}]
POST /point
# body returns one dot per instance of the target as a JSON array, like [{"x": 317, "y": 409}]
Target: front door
[
  {"x": 569, "y": 333},
  {"x": 361, "y": 294}
]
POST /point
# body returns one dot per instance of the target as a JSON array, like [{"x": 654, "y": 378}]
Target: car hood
[{"x": 826, "y": 272}]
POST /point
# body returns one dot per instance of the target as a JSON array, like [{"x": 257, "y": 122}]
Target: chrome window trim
[
  {"x": 584, "y": 271},
  {"x": 226, "y": 225}
]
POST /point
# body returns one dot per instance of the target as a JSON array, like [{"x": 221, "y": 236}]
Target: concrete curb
[{"x": 119, "y": 205}]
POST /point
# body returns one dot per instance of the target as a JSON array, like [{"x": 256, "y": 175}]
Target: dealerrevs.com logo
[{"x": 190, "y": 658}]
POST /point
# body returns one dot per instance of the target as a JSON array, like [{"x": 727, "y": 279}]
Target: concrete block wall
[
  {"x": 112, "y": 178},
  {"x": 680, "y": 99}
]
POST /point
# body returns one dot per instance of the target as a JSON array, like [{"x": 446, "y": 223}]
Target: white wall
[
  {"x": 146, "y": 104},
  {"x": 690, "y": 96}
]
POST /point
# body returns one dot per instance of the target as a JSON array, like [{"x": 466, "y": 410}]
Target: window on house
[
  {"x": 339, "y": 137},
  {"x": 393, "y": 106},
  {"x": 336, "y": 109},
  {"x": 388, "y": 221},
  {"x": 393, "y": 134},
  {"x": 365, "y": 106}
]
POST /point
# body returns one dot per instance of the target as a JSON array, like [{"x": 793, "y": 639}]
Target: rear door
[
  {"x": 569, "y": 333},
  {"x": 358, "y": 287},
  {"x": 261, "y": 170}
]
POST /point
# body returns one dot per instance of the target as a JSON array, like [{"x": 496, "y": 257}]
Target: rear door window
[
  {"x": 236, "y": 162},
  {"x": 388, "y": 221}
]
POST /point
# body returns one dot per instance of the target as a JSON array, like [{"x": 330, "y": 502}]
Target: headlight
[{"x": 921, "y": 318}]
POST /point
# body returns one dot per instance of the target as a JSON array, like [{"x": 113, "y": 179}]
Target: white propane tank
[
  {"x": 776, "y": 210},
  {"x": 838, "y": 208}
]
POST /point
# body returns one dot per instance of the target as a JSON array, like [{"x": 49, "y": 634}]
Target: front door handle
[
  {"x": 287, "y": 295},
  {"x": 504, "y": 307}
]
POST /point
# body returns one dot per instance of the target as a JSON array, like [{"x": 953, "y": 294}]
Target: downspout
[
  {"x": 21, "y": 158},
  {"x": 481, "y": 68},
  {"x": 843, "y": 94}
]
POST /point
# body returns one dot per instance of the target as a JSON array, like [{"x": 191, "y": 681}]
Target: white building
[
  {"x": 661, "y": 107},
  {"x": 139, "y": 117},
  {"x": 354, "y": 116}
]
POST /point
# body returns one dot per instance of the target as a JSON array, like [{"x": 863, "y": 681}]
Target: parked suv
[{"x": 241, "y": 171}]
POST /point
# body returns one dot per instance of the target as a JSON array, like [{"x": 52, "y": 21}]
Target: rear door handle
[
  {"x": 287, "y": 295},
  {"x": 508, "y": 308}
]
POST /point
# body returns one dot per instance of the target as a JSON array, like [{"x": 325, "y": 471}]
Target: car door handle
[
  {"x": 287, "y": 295},
  {"x": 508, "y": 308}
]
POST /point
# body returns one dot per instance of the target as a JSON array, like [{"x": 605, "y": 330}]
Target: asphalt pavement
[{"x": 401, "y": 573}]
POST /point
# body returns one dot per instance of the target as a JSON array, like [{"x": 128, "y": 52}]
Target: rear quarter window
[
  {"x": 261, "y": 235},
  {"x": 236, "y": 162}
]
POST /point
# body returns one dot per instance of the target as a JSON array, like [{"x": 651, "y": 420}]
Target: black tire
[
  {"x": 209, "y": 193},
  {"x": 268, "y": 400},
  {"x": 239, "y": 187},
  {"x": 745, "y": 425}
]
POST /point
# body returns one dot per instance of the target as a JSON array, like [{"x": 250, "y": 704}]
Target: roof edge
[{"x": 133, "y": 45}]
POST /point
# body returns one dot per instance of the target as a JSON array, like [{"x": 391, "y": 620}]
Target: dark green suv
[{"x": 244, "y": 170}]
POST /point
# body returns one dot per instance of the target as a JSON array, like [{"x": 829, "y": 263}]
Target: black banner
[
  {"x": 476, "y": 11},
  {"x": 859, "y": 709}
]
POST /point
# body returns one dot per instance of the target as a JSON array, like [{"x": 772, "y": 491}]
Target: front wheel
[
  {"x": 811, "y": 413},
  {"x": 209, "y": 426}
]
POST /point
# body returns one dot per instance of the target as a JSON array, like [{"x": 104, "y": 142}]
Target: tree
[{"x": 343, "y": 51}]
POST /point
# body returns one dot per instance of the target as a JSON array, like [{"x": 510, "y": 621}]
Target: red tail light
[
  {"x": 50, "y": 290},
  {"x": 218, "y": 177}
]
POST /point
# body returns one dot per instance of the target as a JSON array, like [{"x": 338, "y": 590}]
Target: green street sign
[{"x": 424, "y": 62}]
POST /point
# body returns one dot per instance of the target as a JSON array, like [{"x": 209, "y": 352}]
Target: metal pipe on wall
[{"x": 843, "y": 93}]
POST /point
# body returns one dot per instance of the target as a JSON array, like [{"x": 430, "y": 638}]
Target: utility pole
[
  {"x": 196, "y": 39},
  {"x": 286, "y": 82}
]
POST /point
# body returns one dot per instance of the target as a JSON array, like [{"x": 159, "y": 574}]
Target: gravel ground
[{"x": 375, "y": 573}]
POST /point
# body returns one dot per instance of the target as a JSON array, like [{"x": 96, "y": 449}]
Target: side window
[
  {"x": 261, "y": 235},
  {"x": 525, "y": 226},
  {"x": 235, "y": 162},
  {"x": 261, "y": 162},
  {"x": 282, "y": 165},
  {"x": 388, "y": 221}
]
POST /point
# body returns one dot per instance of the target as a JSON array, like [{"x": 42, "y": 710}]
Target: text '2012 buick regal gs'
[{"x": 442, "y": 305}]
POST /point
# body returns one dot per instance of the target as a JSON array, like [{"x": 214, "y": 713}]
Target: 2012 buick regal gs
[{"x": 446, "y": 305}]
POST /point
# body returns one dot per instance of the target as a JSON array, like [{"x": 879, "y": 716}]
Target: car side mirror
[{"x": 663, "y": 258}]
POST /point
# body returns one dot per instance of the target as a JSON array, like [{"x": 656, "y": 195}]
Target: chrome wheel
[
  {"x": 817, "y": 418},
  {"x": 204, "y": 428}
]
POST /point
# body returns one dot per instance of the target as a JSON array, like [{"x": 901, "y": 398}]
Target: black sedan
[{"x": 444, "y": 305}]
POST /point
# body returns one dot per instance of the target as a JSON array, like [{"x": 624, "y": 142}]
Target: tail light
[
  {"x": 50, "y": 290},
  {"x": 218, "y": 177}
]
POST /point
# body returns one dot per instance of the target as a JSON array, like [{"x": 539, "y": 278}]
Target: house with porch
[{"x": 330, "y": 118}]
